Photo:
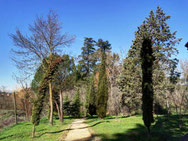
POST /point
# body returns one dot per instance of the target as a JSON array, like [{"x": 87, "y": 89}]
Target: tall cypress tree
[
  {"x": 102, "y": 94},
  {"x": 88, "y": 60},
  {"x": 147, "y": 84},
  {"x": 92, "y": 97}
]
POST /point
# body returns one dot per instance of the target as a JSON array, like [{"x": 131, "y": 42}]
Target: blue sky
[{"x": 113, "y": 20}]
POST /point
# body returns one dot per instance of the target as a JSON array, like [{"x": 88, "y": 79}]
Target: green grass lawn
[
  {"x": 44, "y": 132},
  {"x": 132, "y": 128}
]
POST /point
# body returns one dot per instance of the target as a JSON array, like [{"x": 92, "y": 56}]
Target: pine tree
[
  {"x": 163, "y": 44},
  {"x": 88, "y": 60},
  {"x": 102, "y": 94},
  {"x": 147, "y": 84}
]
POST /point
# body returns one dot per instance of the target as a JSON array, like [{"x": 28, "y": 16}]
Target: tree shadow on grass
[
  {"x": 95, "y": 118},
  {"x": 6, "y": 137},
  {"x": 165, "y": 129},
  {"x": 107, "y": 117},
  {"x": 54, "y": 132},
  {"x": 137, "y": 134}
]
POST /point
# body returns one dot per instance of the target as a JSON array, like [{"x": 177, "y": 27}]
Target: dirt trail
[{"x": 79, "y": 131}]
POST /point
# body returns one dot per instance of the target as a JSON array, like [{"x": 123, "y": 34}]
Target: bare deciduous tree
[
  {"x": 25, "y": 96},
  {"x": 45, "y": 39}
]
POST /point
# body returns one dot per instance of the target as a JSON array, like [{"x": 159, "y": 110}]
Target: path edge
[
  {"x": 64, "y": 135},
  {"x": 93, "y": 135}
]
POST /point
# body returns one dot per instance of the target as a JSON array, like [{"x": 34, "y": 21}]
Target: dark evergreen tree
[
  {"x": 64, "y": 80},
  {"x": 130, "y": 86},
  {"x": 88, "y": 59},
  {"x": 78, "y": 74},
  {"x": 65, "y": 76},
  {"x": 92, "y": 97},
  {"x": 76, "y": 105},
  {"x": 186, "y": 45},
  {"x": 147, "y": 84},
  {"x": 163, "y": 44},
  {"x": 37, "y": 79},
  {"x": 102, "y": 94},
  {"x": 67, "y": 106}
]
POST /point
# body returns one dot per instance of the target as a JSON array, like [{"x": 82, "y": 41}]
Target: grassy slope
[
  {"x": 44, "y": 132},
  {"x": 132, "y": 128},
  {"x": 7, "y": 117}
]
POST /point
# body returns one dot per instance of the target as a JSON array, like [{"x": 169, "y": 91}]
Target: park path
[{"x": 79, "y": 131}]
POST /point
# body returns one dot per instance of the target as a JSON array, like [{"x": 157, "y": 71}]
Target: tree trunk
[
  {"x": 15, "y": 109},
  {"x": 57, "y": 107},
  {"x": 61, "y": 105},
  {"x": 26, "y": 110},
  {"x": 51, "y": 104},
  {"x": 33, "y": 132},
  {"x": 167, "y": 105}
]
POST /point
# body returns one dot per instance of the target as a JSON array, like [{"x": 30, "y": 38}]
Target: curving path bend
[{"x": 79, "y": 131}]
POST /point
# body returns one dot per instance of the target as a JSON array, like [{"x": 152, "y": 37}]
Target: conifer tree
[
  {"x": 66, "y": 106},
  {"x": 64, "y": 80},
  {"x": 37, "y": 79},
  {"x": 92, "y": 97},
  {"x": 76, "y": 104},
  {"x": 147, "y": 84},
  {"x": 102, "y": 94},
  {"x": 88, "y": 60},
  {"x": 163, "y": 44}
]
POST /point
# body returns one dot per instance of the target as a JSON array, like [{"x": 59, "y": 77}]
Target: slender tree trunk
[
  {"x": 49, "y": 111},
  {"x": 61, "y": 105},
  {"x": 180, "y": 112},
  {"x": 33, "y": 132},
  {"x": 26, "y": 110},
  {"x": 51, "y": 104},
  {"x": 176, "y": 109},
  {"x": 15, "y": 109},
  {"x": 167, "y": 105},
  {"x": 57, "y": 107}
]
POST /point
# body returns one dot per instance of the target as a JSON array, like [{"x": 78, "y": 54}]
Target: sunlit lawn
[
  {"x": 44, "y": 132},
  {"x": 132, "y": 128}
]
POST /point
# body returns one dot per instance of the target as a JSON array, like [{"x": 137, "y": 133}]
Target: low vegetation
[
  {"x": 44, "y": 132},
  {"x": 7, "y": 118},
  {"x": 132, "y": 128}
]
